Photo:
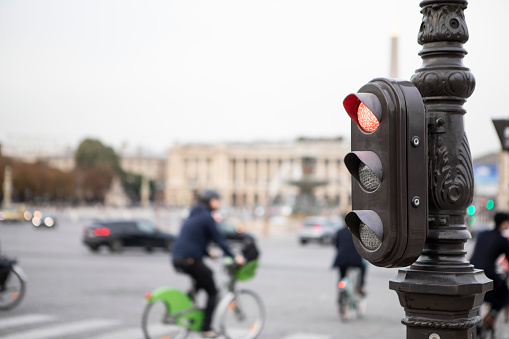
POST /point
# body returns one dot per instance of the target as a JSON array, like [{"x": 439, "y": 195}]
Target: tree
[
  {"x": 96, "y": 165},
  {"x": 92, "y": 153}
]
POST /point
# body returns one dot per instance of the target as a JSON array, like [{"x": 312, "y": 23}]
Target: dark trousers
[
  {"x": 498, "y": 297},
  {"x": 5, "y": 268},
  {"x": 202, "y": 279},
  {"x": 343, "y": 270}
]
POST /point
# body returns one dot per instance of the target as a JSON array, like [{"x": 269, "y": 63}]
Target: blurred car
[
  {"x": 12, "y": 214},
  {"x": 234, "y": 233},
  {"x": 117, "y": 234},
  {"x": 320, "y": 229},
  {"x": 40, "y": 219}
]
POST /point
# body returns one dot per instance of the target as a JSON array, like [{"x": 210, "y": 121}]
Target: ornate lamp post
[{"x": 441, "y": 292}]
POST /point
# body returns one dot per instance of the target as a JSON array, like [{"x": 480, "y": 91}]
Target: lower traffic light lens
[
  {"x": 368, "y": 178},
  {"x": 368, "y": 238},
  {"x": 367, "y": 120}
]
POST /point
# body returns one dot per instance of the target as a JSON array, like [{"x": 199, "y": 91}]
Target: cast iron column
[{"x": 441, "y": 292}]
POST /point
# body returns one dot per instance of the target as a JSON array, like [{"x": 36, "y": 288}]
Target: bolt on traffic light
[{"x": 388, "y": 163}]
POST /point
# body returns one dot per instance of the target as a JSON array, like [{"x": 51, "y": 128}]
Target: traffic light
[{"x": 388, "y": 163}]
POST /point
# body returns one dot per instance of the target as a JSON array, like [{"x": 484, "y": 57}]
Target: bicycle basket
[
  {"x": 247, "y": 271},
  {"x": 250, "y": 250}
]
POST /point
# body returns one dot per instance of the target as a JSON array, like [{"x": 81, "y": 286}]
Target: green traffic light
[
  {"x": 490, "y": 204},
  {"x": 471, "y": 210}
]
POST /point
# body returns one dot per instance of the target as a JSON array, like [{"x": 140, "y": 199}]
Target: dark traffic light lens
[
  {"x": 368, "y": 237},
  {"x": 368, "y": 178},
  {"x": 367, "y": 120}
]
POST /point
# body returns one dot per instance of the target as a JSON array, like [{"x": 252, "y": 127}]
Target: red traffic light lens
[
  {"x": 365, "y": 109},
  {"x": 367, "y": 120}
]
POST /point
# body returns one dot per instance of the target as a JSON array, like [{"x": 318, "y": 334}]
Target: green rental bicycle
[{"x": 240, "y": 314}]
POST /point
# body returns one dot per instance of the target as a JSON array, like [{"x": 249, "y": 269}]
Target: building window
[
  {"x": 268, "y": 171},
  {"x": 209, "y": 170},
  {"x": 246, "y": 171},
  {"x": 256, "y": 170},
  {"x": 186, "y": 168},
  {"x": 234, "y": 171}
]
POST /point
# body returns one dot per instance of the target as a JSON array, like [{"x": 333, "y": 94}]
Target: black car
[
  {"x": 234, "y": 233},
  {"x": 117, "y": 234}
]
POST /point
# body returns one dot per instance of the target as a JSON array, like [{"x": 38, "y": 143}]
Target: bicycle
[
  {"x": 350, "y": 302},
  {"x": 240, "y": 314},
  {"x": 12, "y": 283}
]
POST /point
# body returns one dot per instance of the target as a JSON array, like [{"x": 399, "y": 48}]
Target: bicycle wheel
[
  {"x": 156, "y": 323},
  {"x": 362, "y": 305},
  {"x": 243, "y": 316},
  {"x": 12, "y": 291},
  {"x": 344, "y": 306}
]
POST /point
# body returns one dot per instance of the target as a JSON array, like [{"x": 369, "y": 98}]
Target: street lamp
[{"x": 442, "y": 292}]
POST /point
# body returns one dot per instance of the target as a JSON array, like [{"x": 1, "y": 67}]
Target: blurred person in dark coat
[
  {"x": 489, "y": 246},
  {"x": 347, "y": 256}
]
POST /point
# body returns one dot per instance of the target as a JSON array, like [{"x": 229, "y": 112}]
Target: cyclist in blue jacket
[
  {"x": 347, "y": 256},
  {"x": 198, "y": 230}
]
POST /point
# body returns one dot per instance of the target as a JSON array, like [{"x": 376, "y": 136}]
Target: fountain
[{"x": 306, "y": 202}]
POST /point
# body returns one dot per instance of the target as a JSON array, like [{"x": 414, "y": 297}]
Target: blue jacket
[
  {"x": 347, "y": 254},
  {"x": 196, "y": 233}
]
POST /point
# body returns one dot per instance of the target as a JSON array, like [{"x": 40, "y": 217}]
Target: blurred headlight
[
  {"x": 36, "y": 222},
  {"x": 49, "y": 221},
  {"x": 37, "y": 215},
  {"x": 27, "y": 215}
]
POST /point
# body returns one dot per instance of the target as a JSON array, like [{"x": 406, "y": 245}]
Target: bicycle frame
[
  {"x": 180, "y": 307},
  {"x": 349, "y": 300}
]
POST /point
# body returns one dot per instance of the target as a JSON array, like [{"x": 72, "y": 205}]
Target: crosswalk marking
[
  {"x": 129, "y": 333},
  {"x": 112, "y": 329},
  {"x": 134, "y": 333},
  {"x": 24, "y": 320},
  {"x": 307, "y": 336},
  {"x": 66, "y": 329}
]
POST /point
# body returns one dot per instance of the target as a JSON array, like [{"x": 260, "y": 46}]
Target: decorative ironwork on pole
[{"x": 441, "y": 292}]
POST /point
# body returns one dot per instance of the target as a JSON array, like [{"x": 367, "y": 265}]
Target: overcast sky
[{"x": 149, "y": 73}]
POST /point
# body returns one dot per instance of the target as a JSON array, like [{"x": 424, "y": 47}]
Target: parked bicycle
[
  {"x": 12, "y": 283},
  {"x": 239, "y": 314},
  {"x": 351, "y": 303}
]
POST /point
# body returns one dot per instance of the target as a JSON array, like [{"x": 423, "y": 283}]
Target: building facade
[
  {"x": 149, "y": 166},
  {"x": 254, "y": 174},
  {"x": 503, "y": 187}
]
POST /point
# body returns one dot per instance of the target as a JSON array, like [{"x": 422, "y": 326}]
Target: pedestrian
[
  {"x": 190, "y": 247},
  {"x": 489, "y": 246}
]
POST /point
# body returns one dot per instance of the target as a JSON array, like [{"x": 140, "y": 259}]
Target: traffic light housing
[{"x": 388, "y": 163}]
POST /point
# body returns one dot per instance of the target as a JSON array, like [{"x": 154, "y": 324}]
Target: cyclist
[
  {"x": 489, "y": 246},
  {"x": 191, "y": 246},
  {"x": 347, "y": 256},
  {"x": 5, "y": 268}
]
